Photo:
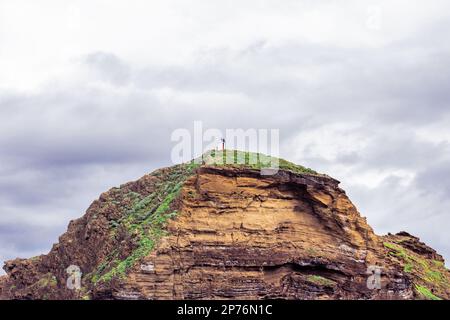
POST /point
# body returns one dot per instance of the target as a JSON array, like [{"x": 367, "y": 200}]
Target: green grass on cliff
[
  {"x": 428, "y": 273},
  {"x": 426, "y": 293},
  {"x": 145, "y": 220},
  {"x": 145, "y": 223},
  {"x": 49, "y": 280},
  {"x": 321, "y": 281},
  {"x": 252, "y": 160}
]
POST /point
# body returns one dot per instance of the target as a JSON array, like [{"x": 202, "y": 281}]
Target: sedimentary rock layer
[{"x": 231, "y": 234}]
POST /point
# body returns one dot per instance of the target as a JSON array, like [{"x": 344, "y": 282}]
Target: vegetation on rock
[
  {"x": 145, "y": 222},
  {"x": 427, "y": 273},
  {"x": 293, "y": 235},
  {"x": 321, "y": 281},
  {"x": 147, "y": 216},
  {"x": 426, "y": 293},
  {"x": 252, "y": 160}
]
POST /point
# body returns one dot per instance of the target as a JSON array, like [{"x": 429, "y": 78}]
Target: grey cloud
[
  {"x": 394, "y": 149},
  {"x": 23, "y": 237},
  {"x": 109, "y": 67},
  {"x": 393, "y": 207},
  {"x": 65, "y": 144},
  {"x": 434, "y": 178},
  {"x": 354, "y": 83}
]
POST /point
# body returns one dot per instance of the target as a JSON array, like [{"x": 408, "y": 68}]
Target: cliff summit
[{"x": 203, "y": 230}]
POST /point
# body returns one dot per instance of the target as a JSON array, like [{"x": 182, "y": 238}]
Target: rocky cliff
[{"x": 211, "y": 231}]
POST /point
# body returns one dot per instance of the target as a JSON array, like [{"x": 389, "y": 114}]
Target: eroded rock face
[
  {"x": 236, "y": 235},
  {"x": 242, "y": 236}
]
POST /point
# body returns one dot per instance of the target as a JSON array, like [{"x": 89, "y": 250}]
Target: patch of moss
[
  {"x": 390, "y": 246},
  {"x": 433, "y": 276},
  {"x": 110, "y": 260},
  {"x": 408, "y": 267},
  {"x": 425, "y": 272},
  {"x": 426, "y": 293},
  {"x": 321, "y": 281},
  {"x": 438, "y": 264},
  {"x": 49, "y": 280}
]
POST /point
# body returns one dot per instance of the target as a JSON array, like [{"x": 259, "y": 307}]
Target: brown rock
[{"x": 236, "y": 235}]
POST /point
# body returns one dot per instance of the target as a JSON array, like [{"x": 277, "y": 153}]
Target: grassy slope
[
  {"x": 252, "y": 160},
  {"x": 146, "y": 219},
  {"x": 144, "y": 223},
  {"x": 430, "y": 277}
]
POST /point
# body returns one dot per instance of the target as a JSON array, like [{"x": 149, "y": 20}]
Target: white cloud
[{"x": 91, "y": 90}]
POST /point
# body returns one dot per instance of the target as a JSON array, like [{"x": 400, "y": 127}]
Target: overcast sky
[{"x": 90, "y": 92}]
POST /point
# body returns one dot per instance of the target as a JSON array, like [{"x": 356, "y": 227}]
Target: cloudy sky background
[{"x": 90, "y": 92}]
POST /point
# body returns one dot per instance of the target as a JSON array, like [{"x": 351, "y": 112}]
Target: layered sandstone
[{"x": 226, "y": 232}]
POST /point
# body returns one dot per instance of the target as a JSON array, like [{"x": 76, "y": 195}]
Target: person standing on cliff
[{"x": 223, "y": 144}]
